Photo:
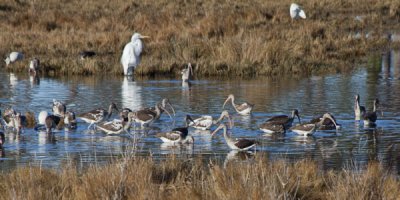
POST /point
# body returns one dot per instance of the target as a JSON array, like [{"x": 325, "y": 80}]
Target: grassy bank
[
  {"x": 143, "y": 178},
  {"x": 220, "y": 37}
]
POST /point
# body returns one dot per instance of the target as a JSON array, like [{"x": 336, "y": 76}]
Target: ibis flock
[{"x": 102, "y": 119}]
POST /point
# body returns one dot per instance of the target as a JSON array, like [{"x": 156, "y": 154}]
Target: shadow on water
[{"x": 312, "y": 96}]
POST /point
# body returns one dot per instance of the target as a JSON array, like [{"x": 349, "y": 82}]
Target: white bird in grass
[
  {"x": 296, "y": 12},
  {"x": 131, "y": 55},
  {"x": 13, "y": 57}
]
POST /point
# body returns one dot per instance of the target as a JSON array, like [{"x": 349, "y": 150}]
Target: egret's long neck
[{"x": 375, "y": 106}]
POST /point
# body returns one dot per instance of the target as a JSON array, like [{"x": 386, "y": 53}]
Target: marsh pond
[{"x": 312, "y": 96}]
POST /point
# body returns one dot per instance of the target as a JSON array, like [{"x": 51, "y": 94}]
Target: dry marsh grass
[
  {"x": 221, "y": 37},
  {"x": 144, "y": 178}
]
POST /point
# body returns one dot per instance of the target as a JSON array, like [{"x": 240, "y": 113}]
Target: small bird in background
[
  {"x": 296, "y": 12},
  {"x": 86, "y": 54},
  {"x": 187, "y": 73},
  {"x": 34, "y": 66},
  {"x": 14, "y": 57},
  {"x": 131, "y": 55}
]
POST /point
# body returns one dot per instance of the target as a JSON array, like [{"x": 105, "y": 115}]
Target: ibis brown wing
[{"x": 243, "y": 143}]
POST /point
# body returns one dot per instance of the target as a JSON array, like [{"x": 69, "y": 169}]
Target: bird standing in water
[
  {"x": 371, "y": 117},
  {"x": 178, "y": 135},
  {"x": 235, "y": 144},
  {"x": 131, "y": 55},
  {"x": 359, "y": 110},
  {"x": 187, "y": 73},
  {"x": 243, "y": 109}
]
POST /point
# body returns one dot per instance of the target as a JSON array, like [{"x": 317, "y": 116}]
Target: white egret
[
  {"x": 131, "y": 55},
  {"x": 296, "y": 11},
  {"x": 13, "y": 57}
]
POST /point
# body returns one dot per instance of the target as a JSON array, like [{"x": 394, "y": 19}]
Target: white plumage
[
  {"x": 131, "y": 55},
  {"x": 296, "y": 11},
  {"x": 42, "y": 117},
  {"x": 206, "y": 121},
  {"x": 13, "y": 57}
]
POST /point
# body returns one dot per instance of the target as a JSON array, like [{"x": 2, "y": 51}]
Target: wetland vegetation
[
  {"x": 144, "y": 178},
  {"x": 237, "y": 38}
]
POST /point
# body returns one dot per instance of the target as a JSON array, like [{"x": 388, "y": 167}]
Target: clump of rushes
[
  {"x": 144, "y": 178},
  {"x": 238, "y": 38}
]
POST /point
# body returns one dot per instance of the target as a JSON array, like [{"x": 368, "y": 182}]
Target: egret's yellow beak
[{"x": 144, "y": 36}]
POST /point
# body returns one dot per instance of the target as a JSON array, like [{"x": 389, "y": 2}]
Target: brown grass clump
[
  {"x": 144, "y": 178},
  {"x": 239, "y": 38}
]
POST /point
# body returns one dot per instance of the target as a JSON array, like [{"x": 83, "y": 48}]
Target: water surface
[{"x": 312, "y": 96}]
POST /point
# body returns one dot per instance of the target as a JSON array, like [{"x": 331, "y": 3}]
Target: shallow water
[{"x": 312, "y": 96}]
